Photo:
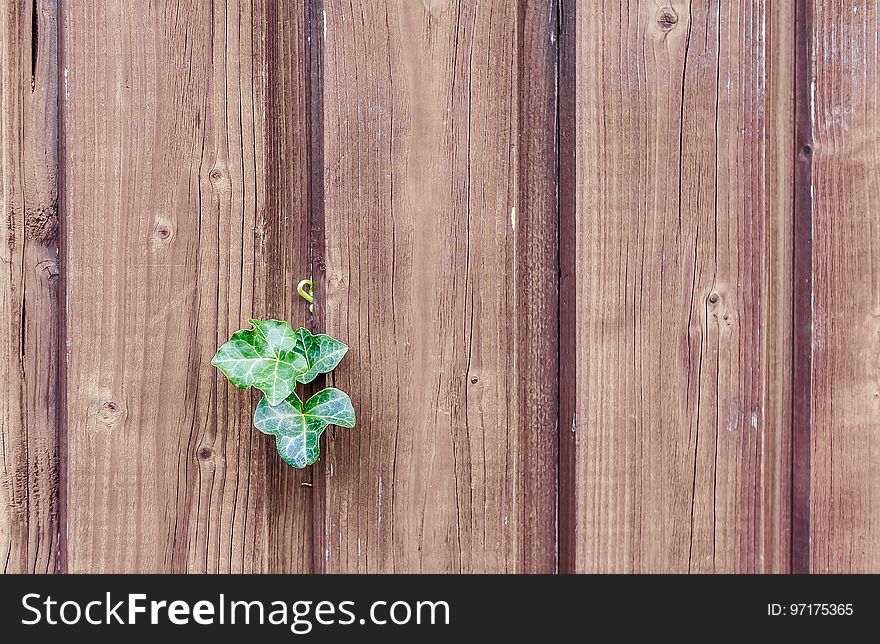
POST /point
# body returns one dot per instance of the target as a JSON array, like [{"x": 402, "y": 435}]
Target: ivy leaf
[
  {"x": 265, "y": 358},
  {"x": 322, "y": 353},
  {"x": 297, "y": 427}
]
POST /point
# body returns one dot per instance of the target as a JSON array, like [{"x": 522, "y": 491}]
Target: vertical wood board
[
  {"x": 30, "y": 532},
  {"x": 845, "y": 116},
  {"x": 180, "y": 226},
  {"x": 429, "y": 230},
  {"x": 681, "y": 452}
]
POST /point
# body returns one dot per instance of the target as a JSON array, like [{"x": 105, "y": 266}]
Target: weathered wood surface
[
  {"x": 608, "y": 273},
  {"x": 845, "y": 116},
  {"x": 441, "y": 275},
  {"x": 181, "y": 222},
  {"x": 29, "y": 293},
  {"x": 681, "y": 440}
]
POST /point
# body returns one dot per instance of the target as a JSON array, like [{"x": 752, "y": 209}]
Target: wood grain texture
[
  {"x": 775, "y": 534},
  {"x": 29, "y": 508},
  {"x": 567, "y": 328},
  {"x": 180, "y": 225},
  {"x": 609, "y": 274},
  {"x": 802, "y": 291},
  {"x": 536, "y": 269},
  {"x": 681, "y": 445},
  {"x": 431, "y": 233},
  {"x": 845, "y": 467},
  {"x": 285, "y": 247}
]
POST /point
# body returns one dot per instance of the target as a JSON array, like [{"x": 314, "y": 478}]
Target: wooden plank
[
  {"x": 680, "y": 459},
  {"x": 568, "y": 371},
  {"x": 286, "y": 234},
  {"x": 170, "y": 246},
  {"x": 802, "y": 293},
  {"x": 775, "y": 537},
  {"x": 536, "y": 268},
  {"x": 845, "y": 465},
  {"x": 29, "y": 293},
  {"x": 429, "y": 231}
]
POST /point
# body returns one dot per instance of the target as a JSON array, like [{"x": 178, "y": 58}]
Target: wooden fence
[{"x": 610, "y": 275}]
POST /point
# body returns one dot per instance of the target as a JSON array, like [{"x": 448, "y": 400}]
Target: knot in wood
[
  {"x": 50, "y": 268},
  {"x": 206, "y": 453},
  {"x": 109, "y": 413},
  {"x": 667, "y": 19}
]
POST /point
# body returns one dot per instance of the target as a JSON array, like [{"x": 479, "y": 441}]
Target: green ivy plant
[{"x": 273, "y": 358}]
